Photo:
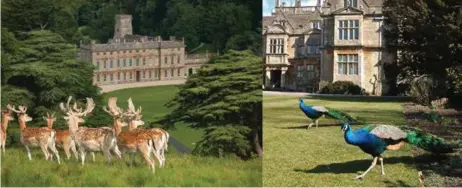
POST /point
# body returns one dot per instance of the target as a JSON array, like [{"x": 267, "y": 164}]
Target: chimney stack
[
  {"x": 277, "y": 3},
  {"x": 298, "y": 3}
]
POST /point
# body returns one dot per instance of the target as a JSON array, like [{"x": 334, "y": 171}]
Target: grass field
[
  {"x": 152, "y": 100},
  {"x": 296, "y": 156},
  {"x": 18, "y": 171}
]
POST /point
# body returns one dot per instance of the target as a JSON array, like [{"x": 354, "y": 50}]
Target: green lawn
[
  {"x": 18, "y": 171},
  {"x": 296, "y": 156},
  {"x": 152, "y": 100}
]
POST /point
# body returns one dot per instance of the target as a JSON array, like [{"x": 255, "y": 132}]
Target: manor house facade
[
  {"x": 130, "y": 58},
  {"x": 334, "y": 40}
]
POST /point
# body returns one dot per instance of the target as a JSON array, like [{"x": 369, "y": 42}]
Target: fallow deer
[
  {"x": 63, "y": 139},
  {"x": 7, "y": 115},
  {"x": 42, "y": 136},
  {"x": 89, "y": 139},
  {"x": 128, "y": 140},
  {"x": 154, "y": 132}
]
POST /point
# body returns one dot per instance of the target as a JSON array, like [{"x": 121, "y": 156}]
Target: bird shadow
[
  {"x": 353, "y": 166},
  {"x": 312, "y": 127}
]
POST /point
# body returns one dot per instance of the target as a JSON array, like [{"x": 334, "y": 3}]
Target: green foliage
[
  {"x": 424, "y": 89},
  {"x": 44, "y": 73},
  {"x": 424, "y": 53},
  {"x": 342, "y": 87},
  {"x": 225, "y": 93}
]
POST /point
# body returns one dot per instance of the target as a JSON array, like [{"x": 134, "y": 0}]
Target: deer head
[
  {"x": 21, "y": 111},
  {"x": 7, "y": 114},
  {"x": 134, "y": 116},
  {"x": 74, "y": 114},
  {"x": 50, "y": 119},
  {"x": 116, "y": 113}
]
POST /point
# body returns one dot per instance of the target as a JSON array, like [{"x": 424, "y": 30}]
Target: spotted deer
[
  {"x": 154, "y": 132},
  {"x": 128, "y": 140},
  {"x": 63, "y": 139},
  {"x": 42, "y": 136},
  {"x": 89, "y": 139},
  {"x": 7, "y": 115}
]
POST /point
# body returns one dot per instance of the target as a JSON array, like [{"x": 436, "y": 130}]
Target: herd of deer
[{"x": 105, "y": 139}]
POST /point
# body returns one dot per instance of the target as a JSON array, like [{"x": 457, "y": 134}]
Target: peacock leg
[
  {"x": 317, "y": 123},
  {"x": 381, "y": 164},
  {"x": 309, "y": 126},
  {"x": 374, "y": 162}
]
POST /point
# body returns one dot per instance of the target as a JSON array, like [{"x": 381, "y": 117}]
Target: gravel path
[
  {"x": 113, "y": 87},
  {"x": 179, "y": 146}
]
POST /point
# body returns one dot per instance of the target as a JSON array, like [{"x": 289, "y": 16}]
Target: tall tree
[{"x": 225, "y": 98}]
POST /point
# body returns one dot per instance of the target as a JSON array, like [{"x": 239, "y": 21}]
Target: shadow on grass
[
  {"x": 355, "y": 166},
  {"x": 347, "y": 98},
  {"x": 399, "y": 183},
  {"x": 314, "y": 126}
]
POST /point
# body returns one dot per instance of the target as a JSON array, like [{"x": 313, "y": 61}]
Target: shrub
[
  {"x": 423, "y": 89},
  {"x": 342, "y": 87}
]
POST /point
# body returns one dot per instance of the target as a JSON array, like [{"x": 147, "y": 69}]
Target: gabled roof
[{"x": 348, "y": 10}]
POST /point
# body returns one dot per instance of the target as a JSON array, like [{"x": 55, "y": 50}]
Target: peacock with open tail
[
  {"x": 376, "y": 139},
  {"x": 316, "y": 112}
]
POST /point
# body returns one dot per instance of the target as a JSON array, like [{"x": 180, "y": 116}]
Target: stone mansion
[
  {"x": 334, "y": 40},
  {"x": 130, "y": 58}
]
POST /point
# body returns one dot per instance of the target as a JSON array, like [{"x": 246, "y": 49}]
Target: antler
[
  {"x": 12, "y": 108},
  {"x": 131, "y": 107},
  {"x": 66, "y": 109},
  {"x": 78, "y": 112}
]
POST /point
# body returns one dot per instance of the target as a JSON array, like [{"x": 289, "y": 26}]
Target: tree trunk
[{"x": 256, "y": 141}]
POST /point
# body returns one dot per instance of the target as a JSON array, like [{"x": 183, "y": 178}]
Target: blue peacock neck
[{"x": 350, "y": 136}]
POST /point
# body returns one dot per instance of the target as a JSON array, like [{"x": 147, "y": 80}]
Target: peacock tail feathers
[
  {"x": 340, "y": 116},
  {"x": 428, "y": 141}
]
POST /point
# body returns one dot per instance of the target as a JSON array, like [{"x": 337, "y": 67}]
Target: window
[
  {"x": 110, "y": 64},
  {"x": 348, "y": 64},
  {"x": 165, "y": 60},
  {"x": 137, "y": 62},
  {"x": 125, "y": 76},
  {"x": 130, "y": 62},
  {"x": 348, "y": 30},
  {"x": 125, "y": 62},
  {"x": 171, "y": 72},
  {"x": 352, "y": 3},
  {"x": 97, "y": 78},
  {"x": 118, "y": 76},
  {"x": 316, "y": 24},
  {"x": 144, "y": 61},
  {"x": 97, "y": 65},
  {"x": 155, "y": 73},
  {"x": 104, "y": 64},
  {"x": 150, "y": 74},
  {"x": 277, "y": 46},
  {"x": 118, "y": 63},
  {"x": 165, "y": 73},
  {"x": 178, "y": 72},
  {"x": 172, "y": 59},
  {"x": 309, "y": 72},
  {"x": 130, "y": 75},
  {"x": 312, "y": 46},
  {"x": 178, "y": 59},
  {"x": 104, "y": 77}
]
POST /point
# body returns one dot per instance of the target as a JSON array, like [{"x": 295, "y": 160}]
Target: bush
[
  {"x": 342, "y": 87},
  {"x": 423, "y": 90}
]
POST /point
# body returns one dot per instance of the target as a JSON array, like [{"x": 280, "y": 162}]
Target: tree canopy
[
  {"x": 224, "y": 97},
  {"x": 427, "y": 34}
]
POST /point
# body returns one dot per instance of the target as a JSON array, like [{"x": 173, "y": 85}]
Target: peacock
[
  {"x": 376, "y": 139},
  {"x": 316, "y": 112}
]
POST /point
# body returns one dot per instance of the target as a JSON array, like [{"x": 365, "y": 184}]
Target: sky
[{"x": 268, "y": 5}]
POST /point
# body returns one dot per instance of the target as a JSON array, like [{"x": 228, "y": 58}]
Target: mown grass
[
  {"x": 18, "y": 171},
  {"x": 153, "y": 100},
  {"x": 296, "y": 156}
]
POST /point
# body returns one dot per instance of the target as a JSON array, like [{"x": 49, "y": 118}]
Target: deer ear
[
  {"x": 66, "y": 118},
  {"x": 54, "y": 119},
  {"x": 44, "y": 118}
]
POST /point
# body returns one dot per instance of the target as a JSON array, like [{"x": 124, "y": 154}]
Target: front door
[
  {"x": 137, "y": 76},
  {"x": 276, "y": 78}
]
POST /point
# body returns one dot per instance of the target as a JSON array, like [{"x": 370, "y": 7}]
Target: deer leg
[
  {"x": 28, "y": 152},
  {"x": 82, "y": 155},
  {"x": 131, "y": 158},
  {"x": 52, "y": 147},
  {"x": 3, "y": 145},
  {"x": 147, "y": 157},
  {"x": 93, "y": 155},
  {"x": 66, "y": 148},
  {"x": 108, "y": 155},
  {"x": 44, "y": 148},
  {"x": 374, "y": 162},
  {"x": 74, "y": 150}
]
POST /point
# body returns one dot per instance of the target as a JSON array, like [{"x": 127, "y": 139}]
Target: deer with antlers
[
  {"x": 89, "y": 139},
  {"x": 128, "y": 140},
  {"x": 63, "y": 140},
  {"x": 7, "y": 115},
  {"x": 153, "y": 132},
  {"x": 42, "y": 136}
]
